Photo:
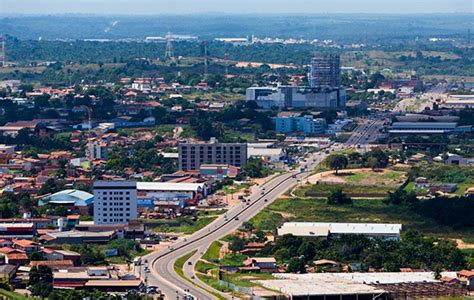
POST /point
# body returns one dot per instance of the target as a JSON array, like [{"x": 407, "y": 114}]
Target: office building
[
  {"x": 306, "y": 124},
  {"x": 297, "y": 97},
  {"x": 193, "y": 155},
  {"x": 325, "y": 71},
  {"x": 115, "y": 202}
]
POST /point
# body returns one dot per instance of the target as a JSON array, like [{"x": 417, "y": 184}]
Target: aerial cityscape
[{"x": 257, "y": 149}]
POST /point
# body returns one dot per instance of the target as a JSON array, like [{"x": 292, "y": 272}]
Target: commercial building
[
  {"x": 74, "y": 199},
  {"x": 266, "y": 151},
  {"x": 325, "y": 71},
  {"x": 115, "y": 202},
  {"x": 219, "y": 171},
  {"x": 379, "y": 285},
  {"x": 459, "y": 101},
  {"x": 297, "y": 97},
  {"x": 16, "y": 230},
  {"x": 427, "y": 128},
  {"x": 325, "y": 230},
  {"x": 78, "y": 237},
  {"x": 171, "y": 191},
  {"x": 305, "y": 124},
  {"x": 193, "y": 155}
]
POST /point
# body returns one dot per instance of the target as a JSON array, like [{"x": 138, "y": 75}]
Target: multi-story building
[
  {"x": 306, "y": 124},
  {"x": 325, "y": 71},
  {"x": 298, "y": 97},
  {"x": 193, "y": 155},
  {"x": 115, "y": 202},
  {"x": 97, "y": 150}
]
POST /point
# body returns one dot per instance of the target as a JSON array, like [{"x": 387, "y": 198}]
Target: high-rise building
[
  {"x": 115, "y": 202},
  {"x": 193, "y": 155},
  {"x": 325, "y": 71}
]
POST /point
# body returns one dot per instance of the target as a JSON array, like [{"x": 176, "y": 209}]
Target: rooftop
[
  {"x": 76, "y": 197},
  {"x": 167, "y": 186}
]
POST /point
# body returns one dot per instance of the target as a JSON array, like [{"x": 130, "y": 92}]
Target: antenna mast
[
  {"x": 169, "y": 55},
  {"x": 3, "y": 55}
]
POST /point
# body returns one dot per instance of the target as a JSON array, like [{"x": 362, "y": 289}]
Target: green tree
[
  {"x": 236, "y": 244},
  {"x": 339, "y": 197},
  {"x": 296, "y": 265},
  {"x": 41, "y": 281},
  {"x": 337, "y": 162}
]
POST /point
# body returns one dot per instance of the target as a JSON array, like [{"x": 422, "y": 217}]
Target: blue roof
[{"x": 76, "y": 197}]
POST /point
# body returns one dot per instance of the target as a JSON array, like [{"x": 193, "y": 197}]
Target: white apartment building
[{"x": 115, "y": 202}]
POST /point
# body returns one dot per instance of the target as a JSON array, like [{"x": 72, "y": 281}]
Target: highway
[{"x": 161, "y": 263}]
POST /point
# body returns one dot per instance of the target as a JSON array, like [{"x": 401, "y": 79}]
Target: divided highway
[{"x": 161, "y": 263}]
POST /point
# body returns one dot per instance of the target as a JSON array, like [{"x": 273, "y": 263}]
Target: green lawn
[
  {"x": 362, "y": 210},
  {"x": 164, "y": 129},
  {"x": 180, "y": 225},
  {"x": 179, "y": 263},
  {"x": 213, "y": 252}
]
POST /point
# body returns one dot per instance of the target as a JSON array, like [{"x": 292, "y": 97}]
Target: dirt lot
[{"x": 361, "y": 177}]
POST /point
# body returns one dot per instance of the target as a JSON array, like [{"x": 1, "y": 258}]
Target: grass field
[
  {"x": 327, "y": 188},
  {"x": 180, "y": 225},
  {"x": 370, "y": 211},
  {"x": 213, "y": 251},
  {"x": 12, "y": 295}
]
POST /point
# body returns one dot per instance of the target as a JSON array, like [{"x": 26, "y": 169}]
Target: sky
[{"x": 137, "y": 7}]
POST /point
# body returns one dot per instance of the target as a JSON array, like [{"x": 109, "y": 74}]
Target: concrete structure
[
  {"x": 298, "y": 97},
  {"x": 193, "y": 155},
  {"x": 219, "y": 171},
  {"x": 115, "y": 202},
  {"x": 80, "y": 200},
  {"x": 324, "y": 230},
  {"x": 325, "y": 71},
  {"x": 306, "y": 124},
  {"x": 272, "y": 155}
]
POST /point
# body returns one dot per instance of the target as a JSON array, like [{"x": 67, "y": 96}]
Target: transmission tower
[
  {"x": 206, "y": 59},
  {"x": 169, "y": 55},
  {"x": 3, "y": 54},
  {"x": 226, "y": 63}
]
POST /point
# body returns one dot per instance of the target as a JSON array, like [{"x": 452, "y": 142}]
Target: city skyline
[{"x": 149, "y": 7}]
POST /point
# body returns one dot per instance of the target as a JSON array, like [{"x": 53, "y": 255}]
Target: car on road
[
  {"x": 190, "y": 263},
  {"x": 236, "y": 218}
]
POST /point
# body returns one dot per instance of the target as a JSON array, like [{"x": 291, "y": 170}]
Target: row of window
[{"x": 115, "y": 193}]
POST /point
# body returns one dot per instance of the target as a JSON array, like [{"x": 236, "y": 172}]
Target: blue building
[{"x": 306, "y": 124}]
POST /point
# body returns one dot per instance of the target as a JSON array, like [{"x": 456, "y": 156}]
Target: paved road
[{"x": 161, "y": 263}]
